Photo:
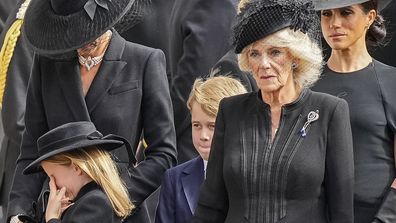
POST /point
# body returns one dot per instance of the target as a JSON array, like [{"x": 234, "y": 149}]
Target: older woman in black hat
[
  {"x": 350, "y": 28},
  {"x": 84, "y": 183},
  {"x": 284, "y": 153},
  {"x": 84, "y": 71}
]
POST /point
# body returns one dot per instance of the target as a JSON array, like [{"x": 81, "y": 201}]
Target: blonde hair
[
  {"x": 301, "y": 47},
  {"x": 99, "y": 166},
  {"x": 208, "y": 93},
  {"x": 241, "y": 4}
]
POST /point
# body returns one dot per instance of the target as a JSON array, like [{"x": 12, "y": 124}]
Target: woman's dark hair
[{"x": 377, "y": 32}]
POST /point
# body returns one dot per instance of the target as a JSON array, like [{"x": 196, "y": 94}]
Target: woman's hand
[{"x": 57, "y": 201}]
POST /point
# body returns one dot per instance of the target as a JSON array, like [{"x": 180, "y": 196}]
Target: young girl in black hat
[
  {"x": 350, "y": 28},
  {"x": 84, "y": 182}
]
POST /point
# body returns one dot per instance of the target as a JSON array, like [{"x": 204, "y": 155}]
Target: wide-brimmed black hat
[
  {"x": 69, "y": 137},
  {"x": 58, "y": 26},
  {"x": 139, "y": 10},
  {"x": 260, "y": 18},
  {"x": 332, "y": 4}
]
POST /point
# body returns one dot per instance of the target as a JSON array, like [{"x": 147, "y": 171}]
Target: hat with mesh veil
[
  {"x": 260, "y": 18},
  {"x": 331, "y": 4},
  {"x": 59, "y": 26}
]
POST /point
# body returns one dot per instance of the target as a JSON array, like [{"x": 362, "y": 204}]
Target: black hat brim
[
  {"x": 106, "y": 144},
  {"x": 49, "y": 33},
  {"x": 323, "y": 5}
]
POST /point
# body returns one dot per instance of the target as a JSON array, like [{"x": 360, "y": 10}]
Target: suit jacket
[
  {"x": 291, "y": 178},
  {"x": 179, "y": 192},
  {"x": 13, "y": 108},
  {"x": 6, "y": 9},
  {"x": 90, "y": 205},
  {"x": 228, "y": 65},
  {"x": 199, "y": 36},
  {"x": 124, "y": 98},
  {"x": 153, "y": 30}
]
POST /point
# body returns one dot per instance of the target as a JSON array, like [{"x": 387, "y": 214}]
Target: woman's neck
[
  {"x": 101, "y": 48},
  {"x": 281, "y": 97},
  {"x": 350, "y": 59},
  {"x": 103, "y": 42}
]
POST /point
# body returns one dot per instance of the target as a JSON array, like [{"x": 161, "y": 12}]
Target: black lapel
[
  {"x": 111, "y": 67},
  {"x": 192, "y": 178},
  {"x": 70, "y": 82}
]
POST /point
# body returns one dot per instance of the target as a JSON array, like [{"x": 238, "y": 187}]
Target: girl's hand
[{"x": 57, "y": 201}]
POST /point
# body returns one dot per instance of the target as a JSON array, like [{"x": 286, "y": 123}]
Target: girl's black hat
[{"x": 69, "y": 137}]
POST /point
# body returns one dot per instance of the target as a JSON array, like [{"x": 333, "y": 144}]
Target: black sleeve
[
  {"x": 204, "y": 42},
  {"x": 26, "y": 188},
  {"x": 159, "y": 131},
  {"x": 387, "y": 211},
  {"x": 339, "y": 175},
  {"x": 387, "y": 81}
]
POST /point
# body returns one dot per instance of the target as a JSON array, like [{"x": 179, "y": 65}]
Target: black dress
[
  {"x": 293, "y": 179},
  {"x": 370, "y": 94}
]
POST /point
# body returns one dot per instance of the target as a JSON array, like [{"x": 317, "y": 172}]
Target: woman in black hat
[
  {"x": 84, "y": 70},
  {"x": 350, "y": 28},
  {"x": 84, "y": 182},
  {"x": 284, "y": 153}
]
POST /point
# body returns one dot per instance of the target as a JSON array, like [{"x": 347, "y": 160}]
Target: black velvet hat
[
  {"x": 60, "y": 26},
  {"x": 69, "y": 137},
  {"x": 331, "y": 4},
  {"x": 260, "y": 18}
]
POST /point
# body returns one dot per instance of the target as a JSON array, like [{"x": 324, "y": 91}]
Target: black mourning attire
[
  {"x": 293, "y": 178},
  {"x": 370, "y": 96}
]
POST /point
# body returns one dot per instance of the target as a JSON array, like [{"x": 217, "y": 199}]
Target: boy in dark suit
[
  {"x": 199, "y": 35},
  {"x": 181, "y": 184}
]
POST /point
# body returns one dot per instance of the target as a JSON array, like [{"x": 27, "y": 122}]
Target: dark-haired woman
[{"x": 350, "y": 28}]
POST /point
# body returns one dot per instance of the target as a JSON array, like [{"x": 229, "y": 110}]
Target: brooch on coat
[{"x": 311, "y": 117}]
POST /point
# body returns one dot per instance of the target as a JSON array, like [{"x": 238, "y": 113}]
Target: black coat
[
  {"x": 228, "y": 65},
  {"x": 153, "y": 30},
  {"x": 128, "y": 96},
  {"x": 199, "y": 36},
  {"x": 90, "y": 205},
  {"x": 292, "y": 179},
  {"x": 6, "y": 9},
  {"x": 13, "y": 108}
]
